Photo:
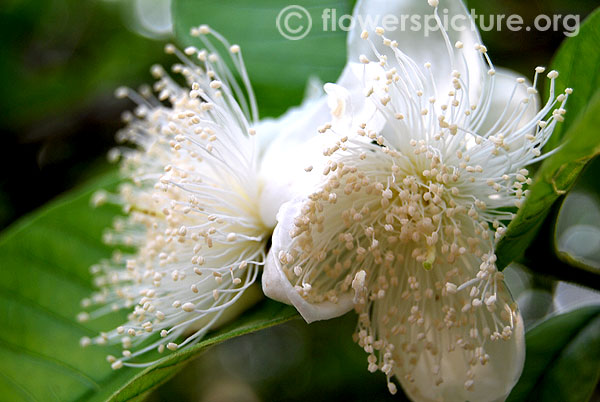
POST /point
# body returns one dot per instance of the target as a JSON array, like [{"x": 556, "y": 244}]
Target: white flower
[
  {"x": 401, "y": 227},
  {"x": 198, "y": 218}
]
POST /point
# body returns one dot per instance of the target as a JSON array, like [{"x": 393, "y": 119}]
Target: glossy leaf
[
  {"x": 45, "y": 260},
  {"x": 544, "y": 258},
  {"x": 278, "y": 67},
  {"x": 562, "y": 359},
  {"x": 577, "y": 61},
  {"x": 554, "y": 179},
  {"x": 580, "y": 143}
]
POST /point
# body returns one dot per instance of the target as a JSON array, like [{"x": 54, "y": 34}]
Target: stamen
[{"x": 192, "y": 200}]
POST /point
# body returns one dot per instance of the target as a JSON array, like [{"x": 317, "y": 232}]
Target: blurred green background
[{"x": 61, "y": 60}]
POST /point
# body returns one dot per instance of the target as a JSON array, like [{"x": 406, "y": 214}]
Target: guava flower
[
  {"x": 198, "y": 219},
  {"x": 401, "y": 226}
]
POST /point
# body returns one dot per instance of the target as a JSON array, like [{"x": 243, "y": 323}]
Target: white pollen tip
[
  {"x": 172, "y": 346},
  {"x": 99, "y": 198},
  {"x": 235, "y": 49},
  {"x": 433, "y": 3},
  {"x": 83, "y": 317},
  {"x": 469, "y": 385},
  {"x": 204, "y": 29},
  {"x": 358, "y": 282},
  {"x": 121, "y": 92},
  {"x": 188, "y": 307},
  {"x": 364, "y": 35},
  {"x": 117, "y": 365},
  {"x": 169, "y": 48},
  {"x": 451, "y": 288}
]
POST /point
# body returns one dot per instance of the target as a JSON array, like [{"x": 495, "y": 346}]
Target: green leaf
[
  {"x": 133, "y": 387},
  {"x": 553, "y": 180},
  {"x": 45, "y": 260},
  {"x": 577, "y": 61},
  {"x": 580, "y": 210},
  {"x": 544, "y": 258},
  {"x": 278, "y": 67},
  {"x": 63, "y": 58},
  {"x": 562, "y": 359},
  {"x": 580, "y": 142}
]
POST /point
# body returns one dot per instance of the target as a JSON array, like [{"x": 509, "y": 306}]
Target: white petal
[
  {"x": 505, "y": 98},
  {"x": 286, "y": 157},
  {"x": 420, "y": 43},
  {"x": 494, "y": 381},
  {"x": 294, "y": 144},
  {"x": 289, "y": 173},
  {"x": 347, "y": 102},
  {"x": 296, "y": 123},
  {"x": 448, "y": 331},
  {"x": 299, "y": 124},
  {"x": 277, "y": 286},
  {"x": 274, "y": 283},
  {"x": 340, "y": 105},
  {"x": 454, "y": 345}
]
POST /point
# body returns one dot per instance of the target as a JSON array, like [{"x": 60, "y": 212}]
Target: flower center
[{"x": 399, "y": 229}]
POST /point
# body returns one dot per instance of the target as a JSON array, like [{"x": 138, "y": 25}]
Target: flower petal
[
  {"x": 508, "y": 96},
  {"x": 283, "y": 164},
  {"x": 292, "y": 143},
  {"x": 275, "y": 282},
  {"x": 340, "y": 105},
  {"x": 493, "y": 381},
  {"x": 452, "y": 345},
  {"x": 292, "y": 125},
  {"x": 349, "y": 106},
  {"x": 423, "y": 41}
]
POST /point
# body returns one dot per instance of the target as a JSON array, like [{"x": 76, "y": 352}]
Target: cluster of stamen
[
  {"x": 391, "y": 232},
  {"x": 406, "y": 218},
  {"x": 194, "y": 235}
]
